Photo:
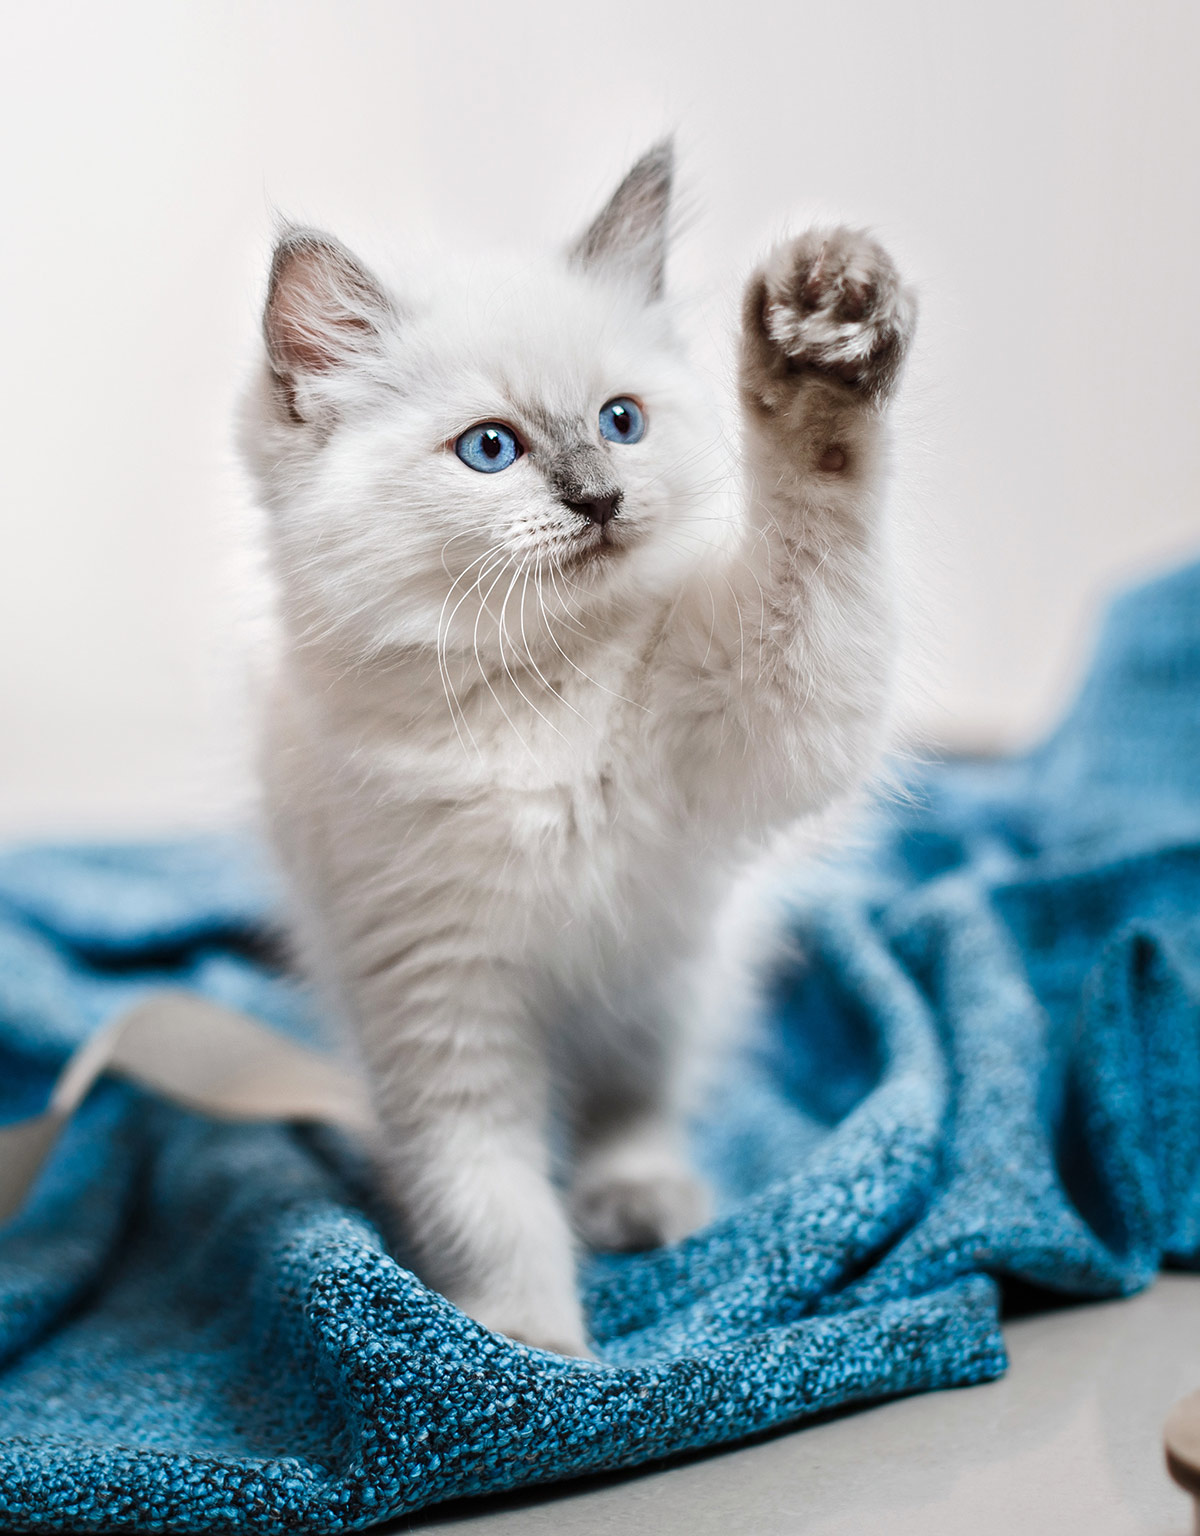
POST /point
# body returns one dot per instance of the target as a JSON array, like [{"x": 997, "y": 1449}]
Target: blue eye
[
  {"x": 488, "y": 447},
  {"x": 622, "y": 421}
]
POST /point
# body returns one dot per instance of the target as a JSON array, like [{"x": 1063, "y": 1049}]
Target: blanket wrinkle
[{"x": 982, "y": 1082}]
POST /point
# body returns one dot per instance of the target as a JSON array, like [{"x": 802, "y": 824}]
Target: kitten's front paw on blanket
[
  {"x": 621, "y": 1210},
  {"x": 830, "y": 302}
]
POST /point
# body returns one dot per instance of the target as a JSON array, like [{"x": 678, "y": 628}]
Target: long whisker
[
  {"x": 563, "y": 601},
  {"x": 586, "y": 675},
  {"x": 504, "y": 663},
  {"x": 462, "y": 534},
  {"x": 443, "y": 639},
  {"x": 445, "y": 622},
  {"x": 483, "y": 607},
  {"x": 442, "y": 643},
  {"x": 529, "y": 650}
]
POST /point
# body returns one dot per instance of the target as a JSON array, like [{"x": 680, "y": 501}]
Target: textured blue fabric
[{"x": 985, "y": 1082}]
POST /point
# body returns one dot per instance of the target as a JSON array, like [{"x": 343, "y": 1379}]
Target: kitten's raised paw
[
  {"x": 828, "y": 303},
  {"x": 624, "y": 1211}
]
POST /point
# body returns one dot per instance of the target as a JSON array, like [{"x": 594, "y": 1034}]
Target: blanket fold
[{"x": 984, "y": 1078}]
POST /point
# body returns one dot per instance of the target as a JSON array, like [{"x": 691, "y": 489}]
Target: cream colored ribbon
[{"x": 197, "y": 1054}]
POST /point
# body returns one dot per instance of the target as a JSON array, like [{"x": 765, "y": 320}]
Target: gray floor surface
[{"x": 1068, "y": 1443}]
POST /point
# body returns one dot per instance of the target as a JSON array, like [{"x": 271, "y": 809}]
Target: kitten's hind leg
[
  {"x": 632, "y": 1185},
  {"x": 633, "y": 1188}
]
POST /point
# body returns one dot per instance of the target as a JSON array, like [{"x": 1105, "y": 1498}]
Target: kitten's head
[{"x": 430, "y": 446}]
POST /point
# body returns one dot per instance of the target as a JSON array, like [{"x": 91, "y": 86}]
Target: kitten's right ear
[{"x": 324, "y": 311}]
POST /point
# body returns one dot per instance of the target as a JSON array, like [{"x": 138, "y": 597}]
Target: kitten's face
[{"x": 495, "y": 438}]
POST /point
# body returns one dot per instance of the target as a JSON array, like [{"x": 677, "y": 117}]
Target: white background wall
[{"x": 1033, "y": 163}]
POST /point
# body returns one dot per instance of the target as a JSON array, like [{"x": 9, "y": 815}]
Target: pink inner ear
[{"x": 319, "y": 308}]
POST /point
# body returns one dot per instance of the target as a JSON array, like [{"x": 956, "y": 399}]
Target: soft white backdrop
[{"x": 1033, "y": 163}]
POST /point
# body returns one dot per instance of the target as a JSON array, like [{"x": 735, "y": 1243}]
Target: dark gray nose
[{"x": 597, "y": 509}]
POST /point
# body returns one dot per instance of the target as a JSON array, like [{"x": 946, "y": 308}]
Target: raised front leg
[{"x": 776, "y": 669}]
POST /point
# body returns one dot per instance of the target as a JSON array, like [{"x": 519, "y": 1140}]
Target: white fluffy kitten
[{"x": 549, "y": 676}]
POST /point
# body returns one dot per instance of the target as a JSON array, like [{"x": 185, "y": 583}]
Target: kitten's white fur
[{"x": 513, "y": 760}]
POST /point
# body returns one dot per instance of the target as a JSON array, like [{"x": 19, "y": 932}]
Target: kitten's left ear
[{"x": 629, "y": 236}]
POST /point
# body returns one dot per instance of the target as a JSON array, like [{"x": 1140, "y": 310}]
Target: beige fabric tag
[
  {"x": 1182, "y": 1436},
  {"x": 182, "y": 1047}
]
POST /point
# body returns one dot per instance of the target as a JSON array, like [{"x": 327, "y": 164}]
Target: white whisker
[
  {"x": 443, "y": 641},
  {"x": 529, "y": 652},
  {"x": 503, "y": 662}
]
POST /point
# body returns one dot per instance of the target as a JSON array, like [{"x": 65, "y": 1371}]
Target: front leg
[
  {"x": 460, "y": 1088},
  {"x": 780, "y": 666}
]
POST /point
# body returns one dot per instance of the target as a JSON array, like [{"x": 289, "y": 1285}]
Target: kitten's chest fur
[{"x": 530, "y": 814}]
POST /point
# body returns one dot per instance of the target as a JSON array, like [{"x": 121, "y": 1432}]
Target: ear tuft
[
  {"x": 324, "y": 309},
  {"x": 629, "y": 236}
]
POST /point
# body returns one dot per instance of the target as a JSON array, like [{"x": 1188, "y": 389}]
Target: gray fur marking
[{"x": 629, "y": 235}]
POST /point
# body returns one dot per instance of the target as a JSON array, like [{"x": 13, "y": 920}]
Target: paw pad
[{"x": 829, "y": 302}]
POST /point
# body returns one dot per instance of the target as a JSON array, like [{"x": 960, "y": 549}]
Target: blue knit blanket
[{"x": 982, "y": 1088}]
